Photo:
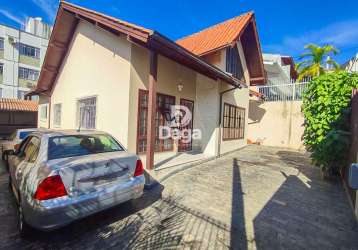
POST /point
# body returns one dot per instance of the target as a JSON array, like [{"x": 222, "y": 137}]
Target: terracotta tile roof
[
  {"x": 217, "y": 36},
  {"x": 17, "y": 105}
]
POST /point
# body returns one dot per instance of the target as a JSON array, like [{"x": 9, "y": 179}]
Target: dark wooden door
[{"x": 185, "y": 145}]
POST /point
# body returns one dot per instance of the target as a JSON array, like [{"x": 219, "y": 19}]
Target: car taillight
[
  {"x": 138, "y": 168},
  {"x": 50, "y": 188}
]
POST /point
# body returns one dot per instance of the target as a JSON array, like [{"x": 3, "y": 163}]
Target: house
[
  {"x": 15, "y": 114},
  {"x": 351, "y": 65},
  {"x": 279, "y": 69},
  {"x": 103, "y": 73}
]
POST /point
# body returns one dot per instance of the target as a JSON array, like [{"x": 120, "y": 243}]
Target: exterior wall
[
  {"x": 218, "y": 59},
  {"x": 240, "y": 98},
  {"x": 276, "y": 123},
  {"x": 170, "y": 74},
  {"x": 12, "y": 60},
  {"x": 97, "y": 64}
]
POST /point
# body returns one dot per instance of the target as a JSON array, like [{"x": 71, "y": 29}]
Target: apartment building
[{"x": 21, "y": 55}]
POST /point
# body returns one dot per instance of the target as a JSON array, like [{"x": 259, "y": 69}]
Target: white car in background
[{"x": 15, "y": 138}]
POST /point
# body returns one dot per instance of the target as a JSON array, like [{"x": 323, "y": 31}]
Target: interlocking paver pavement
[{"x": 255, "y": 198}]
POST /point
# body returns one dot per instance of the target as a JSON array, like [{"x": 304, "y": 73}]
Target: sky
[{"x": 284, "y": 26}]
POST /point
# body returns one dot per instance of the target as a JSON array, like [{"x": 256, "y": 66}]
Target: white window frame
[
  {"x": 57, "y": 114},
  {"x": 82, "y": 116},
  {"x": 28, "y": 74}
]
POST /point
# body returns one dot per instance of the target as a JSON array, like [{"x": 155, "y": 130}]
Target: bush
[{"x": 326, "y": 111}]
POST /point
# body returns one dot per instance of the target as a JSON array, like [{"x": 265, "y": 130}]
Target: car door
[{"x": 24, "y": 159}]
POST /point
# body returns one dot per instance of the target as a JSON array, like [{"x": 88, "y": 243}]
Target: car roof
[{"x": 65, "y": 132}]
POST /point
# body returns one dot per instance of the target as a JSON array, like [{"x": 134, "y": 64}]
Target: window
[
  {"x": 23, "y": 134},
  {"x": 86, "y": 111},
  {"x": 1, "y": 43},
  {"x": 233, "y": 122},
  {"x": 77, "y": 145},
  {"x": 43, "y": 112},
  {"x": 28, "y": 74},
  {"x": 1, "y": 68},
  {"x": 32, "y": 149},
  {"x": 30, "y": 51},
  {"x": 0, "y": 92},
  {"x": 21, "y": 94},
  {"x": 233, "y": 63},
  {"x": 57, "y": 114}
]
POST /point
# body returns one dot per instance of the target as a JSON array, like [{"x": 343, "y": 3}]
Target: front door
[{"x": 186, "y": 143}]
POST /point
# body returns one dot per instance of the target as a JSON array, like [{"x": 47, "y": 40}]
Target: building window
[
  {"x": 1, "y": 43},
  {"x": 28, "y": 74},
  {"x": 57, "y": 114},
  {"x": 233, "y": 122},
  {"x": 43, "y": 112},
  {"x": 233, "y": 63},
  {"x": 86, "y": 110},
  {"x": 1, "y": 68},
  {"x": 30, "y": 51},
  {"x": 0, "y": 92},
  {"x": 21, "y": 94},
  {"x": 164, "y": 102}
]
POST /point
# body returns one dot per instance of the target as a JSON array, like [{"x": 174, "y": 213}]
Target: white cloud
[
  {"x": 12, "y": 17},
  {"x": 49, "y": 7},
  {"x": 341, "y": 35}
]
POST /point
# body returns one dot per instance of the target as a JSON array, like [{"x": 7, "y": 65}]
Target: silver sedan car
[{"x": 61, "y": 176}]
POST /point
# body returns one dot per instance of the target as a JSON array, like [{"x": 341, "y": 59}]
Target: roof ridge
[
  {"x": 108, "y": 16},
  {"x": 215, "y": 25}
]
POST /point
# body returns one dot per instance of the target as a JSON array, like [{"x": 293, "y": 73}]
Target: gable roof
[
  {"x": 7, "y": 104},
  {"x": 226, "y": 34},
  {"x": 69, "y": 15},
  {"x": 216, "y": 37}
]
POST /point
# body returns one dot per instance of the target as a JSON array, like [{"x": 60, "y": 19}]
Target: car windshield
[{"x": 77, "y": 145}]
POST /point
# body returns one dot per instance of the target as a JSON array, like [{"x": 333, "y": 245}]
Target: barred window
[
  {"x": 30, "y": 51},
  {"x": 233, "y": 122},
  {"x": 86, "y": 110},
  {"x": 1, "y": 43},
  {"x": 28, "y": 74},
  {"x": 57, "y": 114}
]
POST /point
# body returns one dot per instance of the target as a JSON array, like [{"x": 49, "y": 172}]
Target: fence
[{"x": 283, "y": 92}]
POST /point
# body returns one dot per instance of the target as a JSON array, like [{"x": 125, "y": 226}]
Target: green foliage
[
  {"x": 326, "y": 110},
  {"x": 315, "y": 59}
]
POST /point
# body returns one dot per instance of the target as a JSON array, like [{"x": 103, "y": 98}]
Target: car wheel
[{"x": 24, "y": 228}]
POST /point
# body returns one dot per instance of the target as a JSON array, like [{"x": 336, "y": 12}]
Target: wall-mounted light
[{"x": 180, "y": 86}]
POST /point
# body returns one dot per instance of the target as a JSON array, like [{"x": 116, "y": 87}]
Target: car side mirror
[
  {"x": 16, "y": 147},
  {"x": 353, "y": 176}
]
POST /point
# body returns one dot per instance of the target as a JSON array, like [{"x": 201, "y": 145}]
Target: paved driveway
[{"x": 258, "y": 197}]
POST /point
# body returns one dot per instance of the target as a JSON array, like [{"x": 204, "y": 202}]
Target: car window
[
  {"x": 32, "y": 149},
  {"x": 23, "y": 144},
  {"x": 77, "y": 145}
]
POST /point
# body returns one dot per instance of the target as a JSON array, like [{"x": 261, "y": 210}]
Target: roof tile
[
  {"x": 7, "y": 104},
  {"x": 217, "y": 36}
]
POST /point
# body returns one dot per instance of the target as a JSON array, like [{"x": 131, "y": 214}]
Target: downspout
[{"x": 220, "y": 114}]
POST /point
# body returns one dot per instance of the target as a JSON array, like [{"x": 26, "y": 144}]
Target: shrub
[{"x": 326, "y": 111}]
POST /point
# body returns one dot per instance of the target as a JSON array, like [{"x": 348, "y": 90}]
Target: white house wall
[{"x": 98, "y": 64}]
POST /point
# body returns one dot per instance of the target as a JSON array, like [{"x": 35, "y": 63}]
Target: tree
[{"x": 315, "y": 60}]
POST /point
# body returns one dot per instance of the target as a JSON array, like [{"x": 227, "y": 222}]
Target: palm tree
[{"x": 317, "y": 58}]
